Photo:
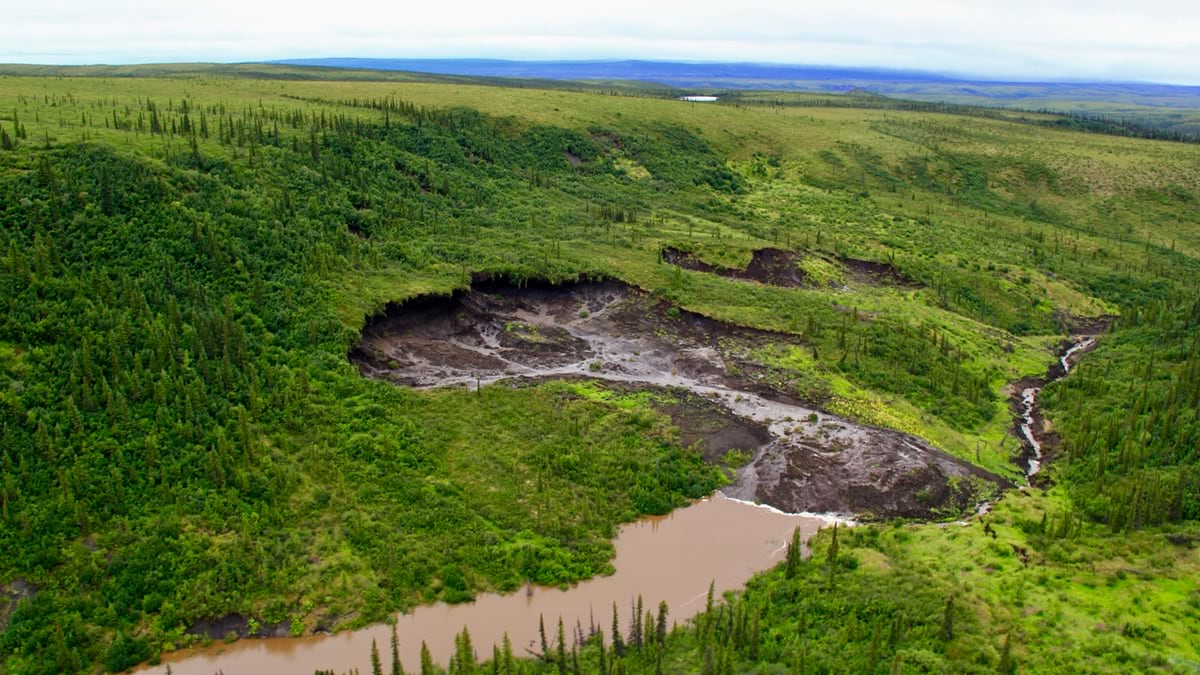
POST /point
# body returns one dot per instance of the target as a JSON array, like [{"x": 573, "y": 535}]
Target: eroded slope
[{"x": 803, "y": 459}]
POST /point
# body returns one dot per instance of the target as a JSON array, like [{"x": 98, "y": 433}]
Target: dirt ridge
[{"x": 770, "y": 266}]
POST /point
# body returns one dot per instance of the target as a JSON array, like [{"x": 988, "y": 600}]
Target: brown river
[{"x": 670, "y": 558}]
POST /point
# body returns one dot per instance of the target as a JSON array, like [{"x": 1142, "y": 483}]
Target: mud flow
[
  {"x": 803, "y": 460},
  {"x": 771, "y": 266}
]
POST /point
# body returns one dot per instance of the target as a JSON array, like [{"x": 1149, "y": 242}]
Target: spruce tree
[
  {"x": 660, "y": 629},
  {"x": 427, "y": 667},
  {"x": 376, "y": 664},
  {"x": 793, "y": 555},
  {"x": 948, "y": 620},
  {"x": 560, "y": 650},
  {"x": 832, "y": 556},
  {"x": 509, "y": 663},
  {"x": 397, "y": 668},
  {"x": 618, "y": 646}
]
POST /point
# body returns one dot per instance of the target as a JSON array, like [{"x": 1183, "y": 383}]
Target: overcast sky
[{"x": 1154, "y": 40}]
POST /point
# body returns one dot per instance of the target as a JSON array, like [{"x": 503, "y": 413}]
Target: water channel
[{"x": 671, "y": 558}]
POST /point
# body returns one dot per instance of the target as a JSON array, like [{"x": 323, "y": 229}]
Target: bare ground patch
[
  {"x": 771, "y": 266},
  {"x": 803, "y": 459}
]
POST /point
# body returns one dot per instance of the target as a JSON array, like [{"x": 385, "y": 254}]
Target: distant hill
[
  {"x": 776, "y": 76},
  {"x": 1160, "y": 105},
  {"x": 675, "y": 73}
]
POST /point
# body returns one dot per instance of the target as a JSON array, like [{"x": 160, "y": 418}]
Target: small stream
[
  {"x": 1029, "y": 409},
  {"x": 725, "y": 539}
]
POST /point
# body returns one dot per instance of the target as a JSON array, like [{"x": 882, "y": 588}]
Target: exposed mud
[
  {"x": 228, "y": 626},
  {"x": 803, "y": 460},
  {"x": 1091, "y": 326},
  {"x": 771, "y": 266},
  {"x": 11, "y": 595},
  {"x": 1039, "y": 443},
  {"x": 711, "y": 428},
  {"x": 777, "y": 267},
  {"x": 869, "y": 273},
  {"x": 237, "y": 626}
]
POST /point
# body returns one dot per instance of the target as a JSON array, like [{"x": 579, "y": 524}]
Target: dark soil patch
[
  {"x": 237, "y": 626},
  {"x": 775, "y": 267},
  {"x": 11, "y": 596},
  {"x": 841, "y": 467},
  {"x": 230, "y": 625},
  {"x": 870, "y": 273},
  {"x": 804, "y": 460},
  {"x": 688, "y": 261},
  {"x": 771, "y": 266},
  {"x": 712, "y": 429},
  {"x": 1084, "y": 325}
]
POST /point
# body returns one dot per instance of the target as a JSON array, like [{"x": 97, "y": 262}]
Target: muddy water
[{"x": 670, "y": 558}]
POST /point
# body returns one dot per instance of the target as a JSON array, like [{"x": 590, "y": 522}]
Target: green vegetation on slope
[
  {"x": 186, "y": 262},
  {"x": 1131, "y": 419},
  {"x": 1030, "y": 588}
]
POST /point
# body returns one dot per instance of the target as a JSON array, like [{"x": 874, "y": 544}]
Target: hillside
[
  {"x": 190, "y": 264},
  {"x": 1165, "y": 107}
]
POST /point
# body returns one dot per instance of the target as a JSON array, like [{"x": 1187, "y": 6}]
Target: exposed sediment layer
[{"x": 803, "y": 459}]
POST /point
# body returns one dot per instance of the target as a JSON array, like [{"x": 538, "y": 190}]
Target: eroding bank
[
  {"x": 671, "y": 558},
  {"x": 801, "y": 459}
]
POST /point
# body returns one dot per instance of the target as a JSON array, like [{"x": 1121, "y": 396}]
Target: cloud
[{"x": 1017, "y": 38}]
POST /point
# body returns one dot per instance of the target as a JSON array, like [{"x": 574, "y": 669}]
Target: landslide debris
[{"x": 802, "y": 459}]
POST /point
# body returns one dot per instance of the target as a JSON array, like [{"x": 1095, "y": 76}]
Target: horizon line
[{"x": 306, "y": 61}]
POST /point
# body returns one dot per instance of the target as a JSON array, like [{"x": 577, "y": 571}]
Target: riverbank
[{"x": 671, "y": 559}]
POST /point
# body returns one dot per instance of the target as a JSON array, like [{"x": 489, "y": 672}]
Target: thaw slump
[
  {"x": 804, "y": 460},
  {"x": 771, "y": 266}
]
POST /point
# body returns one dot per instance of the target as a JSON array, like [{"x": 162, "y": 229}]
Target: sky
[{"x": 1148, "y": 40}]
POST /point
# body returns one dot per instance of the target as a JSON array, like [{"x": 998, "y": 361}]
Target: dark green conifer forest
[{"x": 187, "y": 262}]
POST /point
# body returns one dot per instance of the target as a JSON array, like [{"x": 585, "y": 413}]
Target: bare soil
[
  {"x": 10, "y": 596},
  {"x": 870, "y": 273},
  {"x": 804, "y": 459},
  {"x": 236, "y": 625},
  {"x": 771, "y": 266},
  {"x": 1084, "y": 325}
]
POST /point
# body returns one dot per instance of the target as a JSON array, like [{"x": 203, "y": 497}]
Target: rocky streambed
[
  {"x": 802, "y": 459},
  {"x": 1031, "y": 427}
]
